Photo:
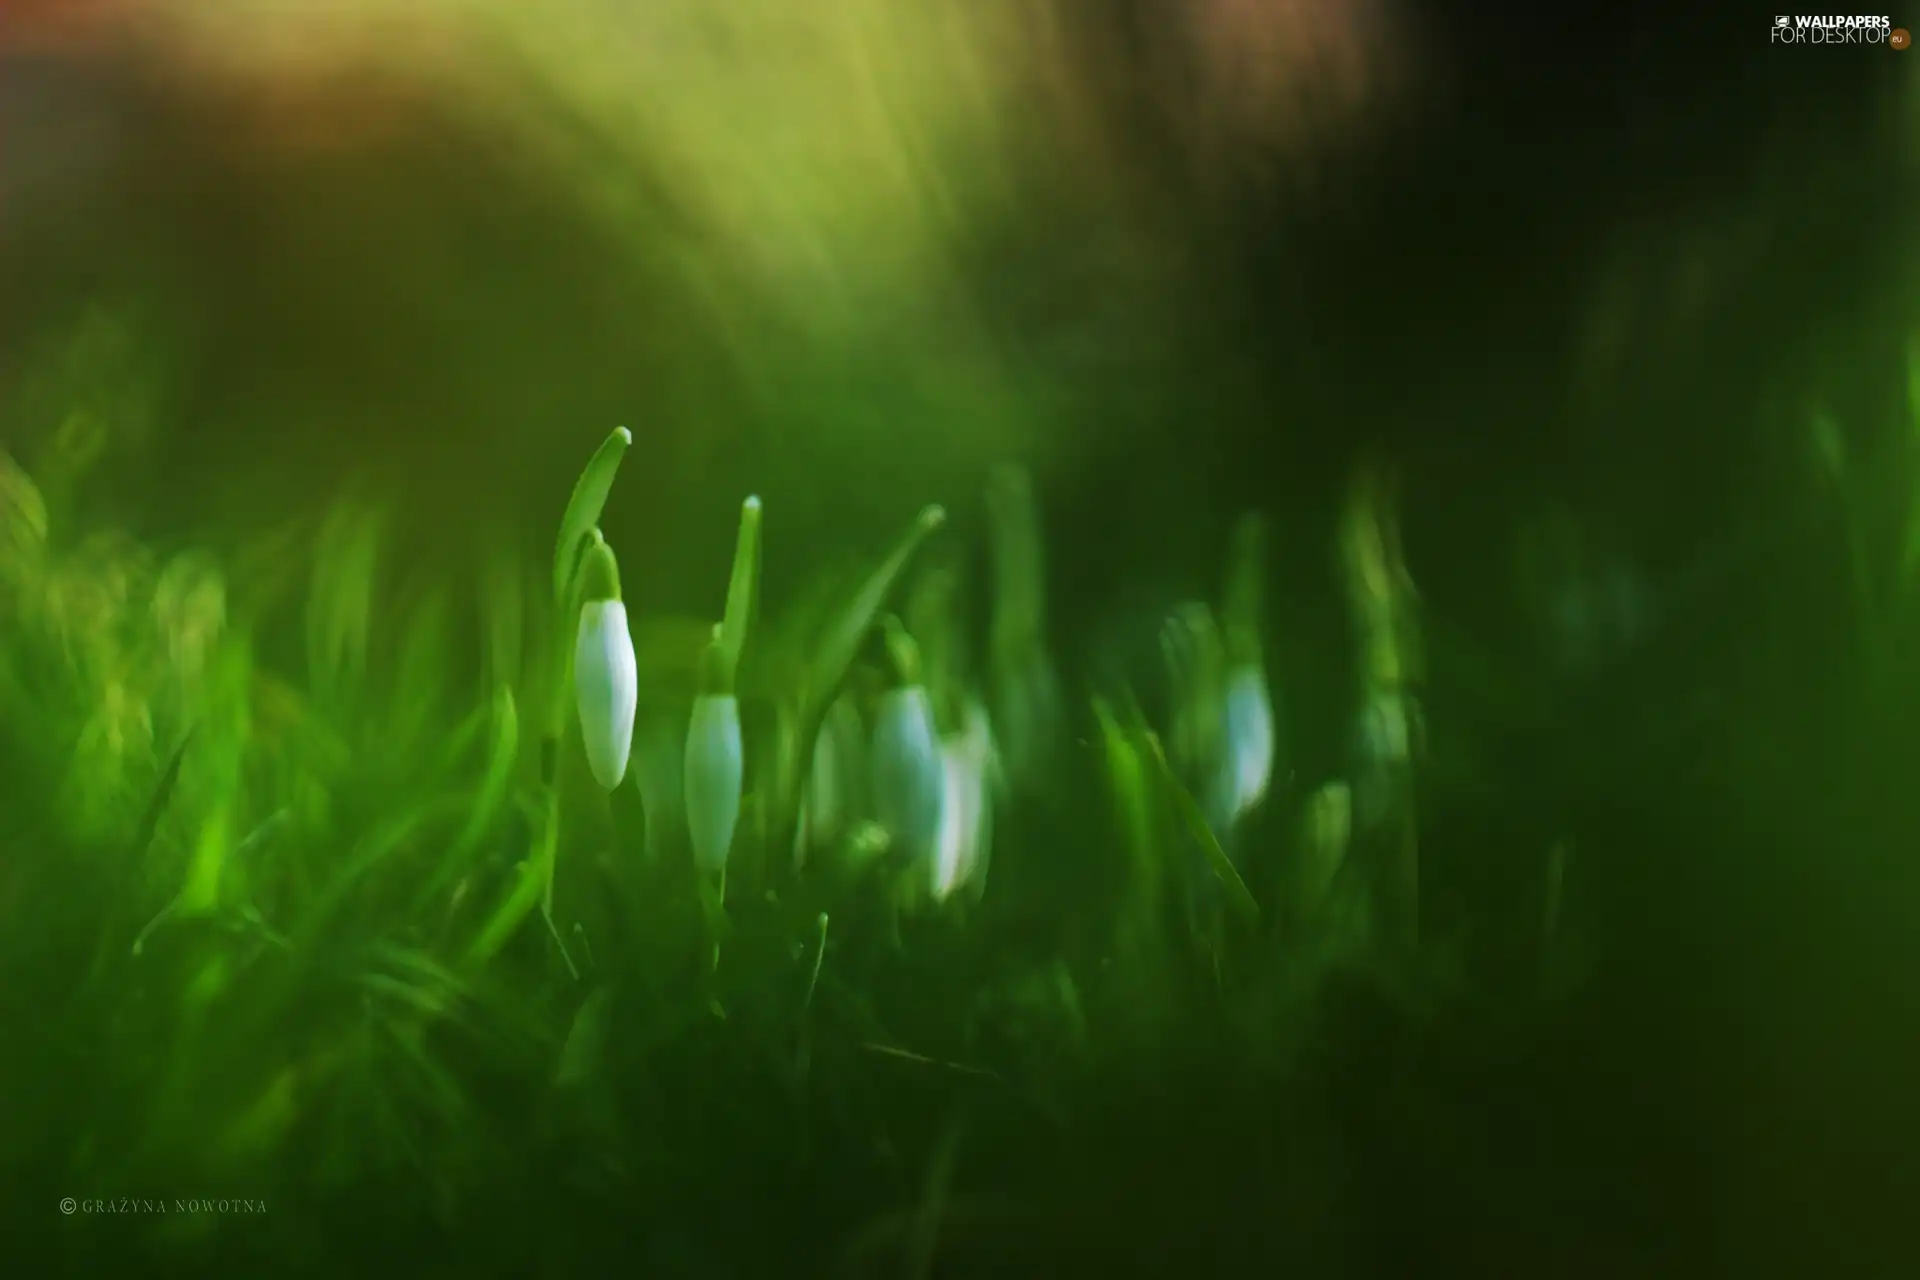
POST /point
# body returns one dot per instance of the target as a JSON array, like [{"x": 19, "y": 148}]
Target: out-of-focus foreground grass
[
  {"x": 352, "y": 930},
  {"x": 262, "y": 940}
]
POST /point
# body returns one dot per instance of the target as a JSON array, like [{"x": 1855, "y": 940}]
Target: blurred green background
[{"x": 311, "y": 319}]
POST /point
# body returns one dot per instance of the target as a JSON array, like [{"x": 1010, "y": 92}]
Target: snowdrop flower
[
  {"x": 1245, "y": 765},
  {"x": 966, "y": 812},
  {"x": 905, "y": 765},
  {"x": 714, "y": 763},
  {"x": 605, "y": 681}
]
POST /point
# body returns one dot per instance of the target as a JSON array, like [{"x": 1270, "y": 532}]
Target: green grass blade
[
  {"x": 1196, "y": 825},
  {"x": 835, "y": 650},
  {"x": 1132, "y": 808},
  {"x": 340, "y": 603},
  {"x": 742, "y": 585},
  {"x": 535, "y": 875},
  {"x": 420, "y": 676},
  {"x": 484, "y": 809},
  {"x": 201, "y": 894},
  {"x": 373, "y": 850},
  {"x": 161, "y": 798},
  {"x": 501, "y": 753},
  {"x": 586, "y": 1042}
]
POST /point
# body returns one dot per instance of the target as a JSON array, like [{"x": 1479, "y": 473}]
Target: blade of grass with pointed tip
[
  {"x": 1128, "y": 783},
  {"x": 162, "y": 796},
  {"x": 534, "y": 877},
  {"x": 741, "y": 585},
  {"x": 1139, "y": 820},
  {"x": 584, "y": 507},
  {"x": 201, "y": 893},
  {"x": 586, "y": 1042},
  {"x": 834, "y": 651},
  {"x": 1196, "y": 824}
]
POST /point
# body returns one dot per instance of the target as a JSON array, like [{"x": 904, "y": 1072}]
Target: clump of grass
[{"x": 366, "y": 939}]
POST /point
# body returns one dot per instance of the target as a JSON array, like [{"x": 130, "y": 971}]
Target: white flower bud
[
  {"x": 906, "y": 770},
  {"x": 1248, "y": 765},
  {"x": 606, "y": 685},
  {"x": 713, "y": 770},
  {"x": 966, "y": 813}
]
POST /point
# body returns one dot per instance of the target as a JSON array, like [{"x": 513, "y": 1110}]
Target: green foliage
[{"x": 324, "y": 939}]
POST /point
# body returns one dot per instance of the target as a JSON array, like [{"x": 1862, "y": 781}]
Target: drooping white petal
[
  {"x": 1249, "y": 739},
  {"x": 714, "y": 769},
  {"x": 606, "y": 687},
  {"x": 966, "y": 813},
  {"x": 959, "y": 809},
  {"x": 906, "y": 771}
]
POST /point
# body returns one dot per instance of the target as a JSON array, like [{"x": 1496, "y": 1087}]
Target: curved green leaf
[{"x": 584, "y": 507}]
